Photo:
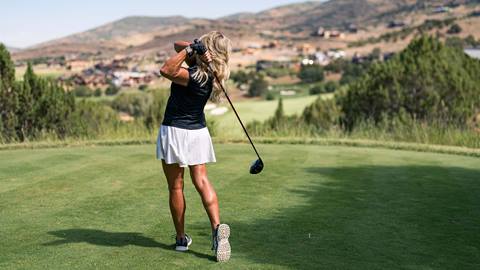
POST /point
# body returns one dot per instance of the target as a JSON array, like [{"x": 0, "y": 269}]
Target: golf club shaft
[{"x": 235, "y": 111}]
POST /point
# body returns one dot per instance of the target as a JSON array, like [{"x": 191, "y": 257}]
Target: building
[
  {"x": 396, "y": 24},
  {"x": 306, "y": 49},
  {"x": 474, "y": 53}
]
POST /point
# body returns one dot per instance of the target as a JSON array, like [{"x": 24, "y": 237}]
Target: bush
[
  {"x": 278, "y": 72},
  {"x": 270, "y": 96},
  {"x": 317, "y": 89},
  {"x": 240, "y": 77},
  {"x": 91, "y": 118},
  {"x": 428, "y": 82},
  {"x": 112, "y": 90},
  {"x": 331, "y": 86},
  {"x": 134, "y": 104},
  {"x": 258, "y": 86},
  {"x": 322, "y": 114},
  {"x": 156, "y": 110},
  {"x": 82, "y": 91},
  {"x": 98, "y": 92},
  {"x": 311, "y": 74},
  {"x": 454, "y": 29}
]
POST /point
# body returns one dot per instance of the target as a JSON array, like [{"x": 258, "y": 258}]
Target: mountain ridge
[{"x": 145, "y": 34}]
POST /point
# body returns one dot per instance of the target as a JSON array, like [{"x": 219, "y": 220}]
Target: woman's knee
[
  {"x": 176, "y": 185},
  {"x": 201, "y": 182}
]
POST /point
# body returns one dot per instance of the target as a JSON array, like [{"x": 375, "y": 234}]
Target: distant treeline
[
  {"x": 429, "y": 92},
  {"x": 36, "y": 108},
  {"x": 421, "y": 29}
]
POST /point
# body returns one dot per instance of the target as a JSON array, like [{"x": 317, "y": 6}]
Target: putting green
[{"x": 313, "y": 207}]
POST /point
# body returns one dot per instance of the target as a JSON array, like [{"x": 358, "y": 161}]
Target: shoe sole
[
  {"x": 182, "y": 248},
  {"x": 223, "y": 246}
]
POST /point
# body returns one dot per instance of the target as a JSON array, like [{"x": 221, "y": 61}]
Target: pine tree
[
  {"x": 8, "y": 97},
  {"x": 428, "y": 81}
]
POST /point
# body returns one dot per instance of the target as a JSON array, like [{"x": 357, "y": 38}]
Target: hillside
[
  {"x": 12, "y": 49},
  {"x": 295, "y": 22}
]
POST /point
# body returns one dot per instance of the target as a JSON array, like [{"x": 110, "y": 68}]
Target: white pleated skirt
[{"x": 185, "y": 147}]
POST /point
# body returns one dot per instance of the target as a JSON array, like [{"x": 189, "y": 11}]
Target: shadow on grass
[
  {"x": 112, "y": 239},
  {"x": 372, "y": 217}
]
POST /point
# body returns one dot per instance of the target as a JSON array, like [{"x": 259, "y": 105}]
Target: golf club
[{"x": 257, "y": 165}]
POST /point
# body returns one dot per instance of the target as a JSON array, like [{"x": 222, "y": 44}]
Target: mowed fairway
[
  {"x": 229, "y": 128},
  {"x": 313, "y": 207}
]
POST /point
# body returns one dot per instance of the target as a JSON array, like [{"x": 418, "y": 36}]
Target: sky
[{"x": 27, "y": 22}]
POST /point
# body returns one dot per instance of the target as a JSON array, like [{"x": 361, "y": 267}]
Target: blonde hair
[{"x": 220, "y": 47}]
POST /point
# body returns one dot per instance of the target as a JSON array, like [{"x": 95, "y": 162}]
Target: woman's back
[{"x": 186, "y": 103}]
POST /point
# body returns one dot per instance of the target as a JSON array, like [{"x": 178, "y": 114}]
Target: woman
[{"x": 184, "y": 140}]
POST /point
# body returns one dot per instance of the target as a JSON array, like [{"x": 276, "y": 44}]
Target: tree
[
  {"x": 428, "y": 81},
  {"x": 322, "y": 114},
  {"x": 156, "y": 109},
  {"x": 279, "y": 117},
  {"x": 331, "y": 86},
  {"x": 258, "y": 86},
  {"x": 7, "y": 70},
  {"x": 454, "y": 29},
  {"x": 82, "y": 91},
  {"x": 9, "y": 103},
  {"x": 311, "y": 73},
  {"x": 240, "y": 77},
  {"x": 98, "y": 92},
  {"x": 317, "y": 89},
  {"x": 135, "y": 104},
  {"x": 112, "y": 90}
]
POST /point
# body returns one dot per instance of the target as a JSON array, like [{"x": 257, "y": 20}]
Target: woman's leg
[
  {"x": 174, "y": 174},
  {"x": 209, "y": 197}
]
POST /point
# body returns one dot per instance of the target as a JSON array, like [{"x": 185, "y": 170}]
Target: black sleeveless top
[{"x": 185, "y": 104}]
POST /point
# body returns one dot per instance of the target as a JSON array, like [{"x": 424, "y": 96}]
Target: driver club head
[{"x": 257, "y": 167}]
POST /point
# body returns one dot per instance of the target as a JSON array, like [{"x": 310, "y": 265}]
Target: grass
[
  {"x": 314, "y": 207},
  {"x": 228, "y": 126}
]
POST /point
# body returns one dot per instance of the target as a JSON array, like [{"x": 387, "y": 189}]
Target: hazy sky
[{"x": 27, "y": 22}]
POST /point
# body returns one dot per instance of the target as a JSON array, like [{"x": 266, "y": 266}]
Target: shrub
[
  {"x": 322, "y": 114},
  {"x": 82, "y": 91},
  {"x": 331, "y": 86},
  {"x": 428, "y": 81},
  {"x": 143, "y": 87},
  {"x": 258, "y": 86},
  {"x": 156, "y": 110},
  {"x": 98, "y": 92},
  {"x": 112, "y": 90},
  {"x": 91, "y": 118},
  {"x": 135, "y": 104},
  {"x": 278, "y": 72},
  {"x": 311, "y": 74},
  {"x": 317, "y": 89},
  {"x": 240, "y": 77},
  {"x": 454, "y": 29}
]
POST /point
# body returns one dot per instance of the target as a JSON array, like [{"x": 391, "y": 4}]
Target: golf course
[{"x": 313, "y": 207}]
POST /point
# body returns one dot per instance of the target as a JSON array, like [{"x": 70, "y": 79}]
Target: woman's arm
[
  {"x": 172, "y": 69},
  {"x": 181, "y": 45}
]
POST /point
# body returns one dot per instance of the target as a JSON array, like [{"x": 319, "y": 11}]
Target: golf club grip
[{"x": 234, "y": 110}]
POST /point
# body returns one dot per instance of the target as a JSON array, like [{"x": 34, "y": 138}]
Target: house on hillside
[
  {"x": 267, "y": 64},
  {"x": 130, "y": 78},
  {"x": 441, "y": 9},
  {"x": 306, "y": 49},
  {"x": 474, "y": 53},
  {"x": 396, "y": 24},
  {"x": 326, "y": 34},
  {"x": 77, "y": 64},
  {"x": 352, "y": 28}
]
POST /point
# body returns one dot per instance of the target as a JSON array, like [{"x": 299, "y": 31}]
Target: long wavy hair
[{"x": 220, "y": 48}]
